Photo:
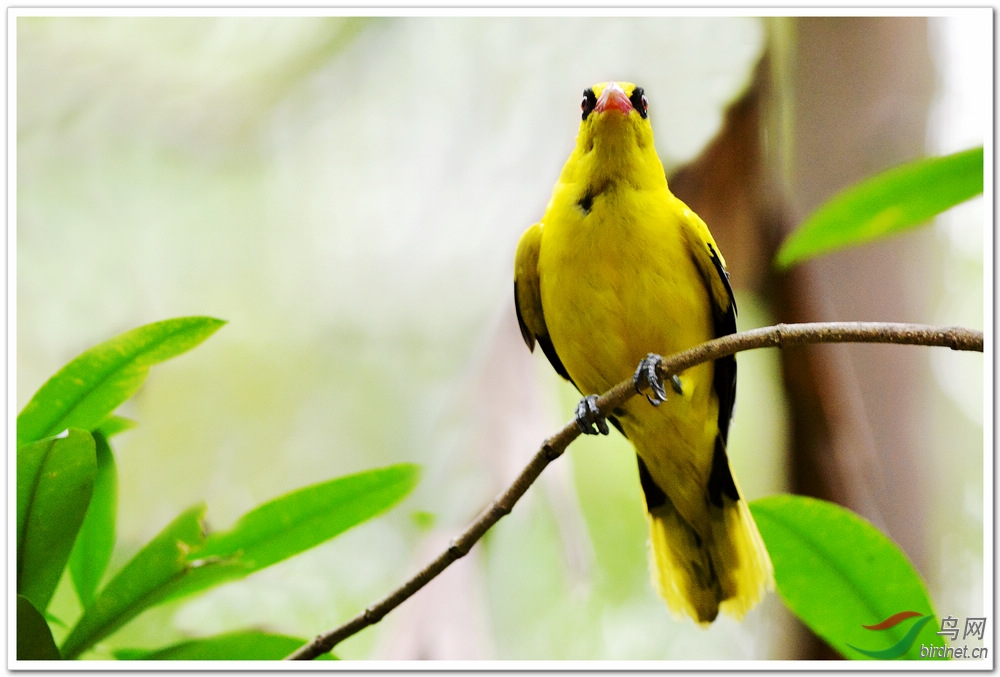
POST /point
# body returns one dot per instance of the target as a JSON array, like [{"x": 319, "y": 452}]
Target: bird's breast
[{"x": 617, "y": 282}]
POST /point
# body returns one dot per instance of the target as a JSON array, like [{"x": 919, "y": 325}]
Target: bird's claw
[
  {"x": 675, "y": 383},
  {"x": 646, "y": 375},
  {"x": 588, "y": 416}
]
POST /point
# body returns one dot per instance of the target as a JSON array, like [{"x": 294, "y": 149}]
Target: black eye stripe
[
  {"x": 639, "y": 102},
  {"x": 588, "y": 102}
]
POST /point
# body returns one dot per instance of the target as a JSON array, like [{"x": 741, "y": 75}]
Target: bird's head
[
  {"x": 615, "y": 137},
  {"x": 623, "y": 97}
]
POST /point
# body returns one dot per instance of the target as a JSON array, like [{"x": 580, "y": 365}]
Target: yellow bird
[{"x": 618, "y": 270}]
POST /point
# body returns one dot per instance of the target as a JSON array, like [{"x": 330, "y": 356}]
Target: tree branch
[{"x": 780, "y": 336}]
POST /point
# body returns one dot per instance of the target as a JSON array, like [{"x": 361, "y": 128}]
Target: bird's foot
[
  {"x": 588, "y": 416},
  {"x": 646, "y": 375}
]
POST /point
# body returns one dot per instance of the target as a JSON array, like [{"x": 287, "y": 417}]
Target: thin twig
[{"x": 780, "y": 336}]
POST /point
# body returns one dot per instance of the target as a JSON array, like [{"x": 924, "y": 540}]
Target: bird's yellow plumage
[{"x": 619, "y": 268}]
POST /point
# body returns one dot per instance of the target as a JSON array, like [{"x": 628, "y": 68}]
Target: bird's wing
[
  {"x": 713, "y": 270},
  {"x": 528, "y": 298}
]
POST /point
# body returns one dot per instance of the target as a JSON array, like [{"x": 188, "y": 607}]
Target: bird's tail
[{"x": 702, "y": 569}]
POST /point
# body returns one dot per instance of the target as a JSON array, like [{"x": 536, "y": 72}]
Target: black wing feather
[
  {"x": 725, "y": 367},
  {"x": 720, "y": 480},
  {"x": 550, "y": 352},
  {"x": 543, "y": 340}
]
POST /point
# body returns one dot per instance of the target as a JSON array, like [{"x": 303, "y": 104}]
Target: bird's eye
[
  {"x": 639, "y": 101},
  {"x": 588, "y": 102}
]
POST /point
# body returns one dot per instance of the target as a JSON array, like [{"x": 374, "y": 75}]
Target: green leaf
[
  {"x": 84, "y": 392},
  {"x": 55, "y": 479},
  {"x": 886, "y": 204},
  {"x": 34, "y": 639},
  {"x": 838, "y": 573},
  {"x": 92, "y": 550},
  {"x": 114, "y": 424},
  {"x": 248, "y": 645},
  {"x": 304, "y": 518},
  {"x": 181, "y": 561},
  {"x": 146, "y": 580}
]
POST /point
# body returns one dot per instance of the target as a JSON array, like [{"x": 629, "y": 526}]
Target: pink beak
[{"x": 613, "y": 97}]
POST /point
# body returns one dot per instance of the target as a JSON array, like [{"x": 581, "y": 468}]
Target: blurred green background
[{"x": 347, "y": 193}]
